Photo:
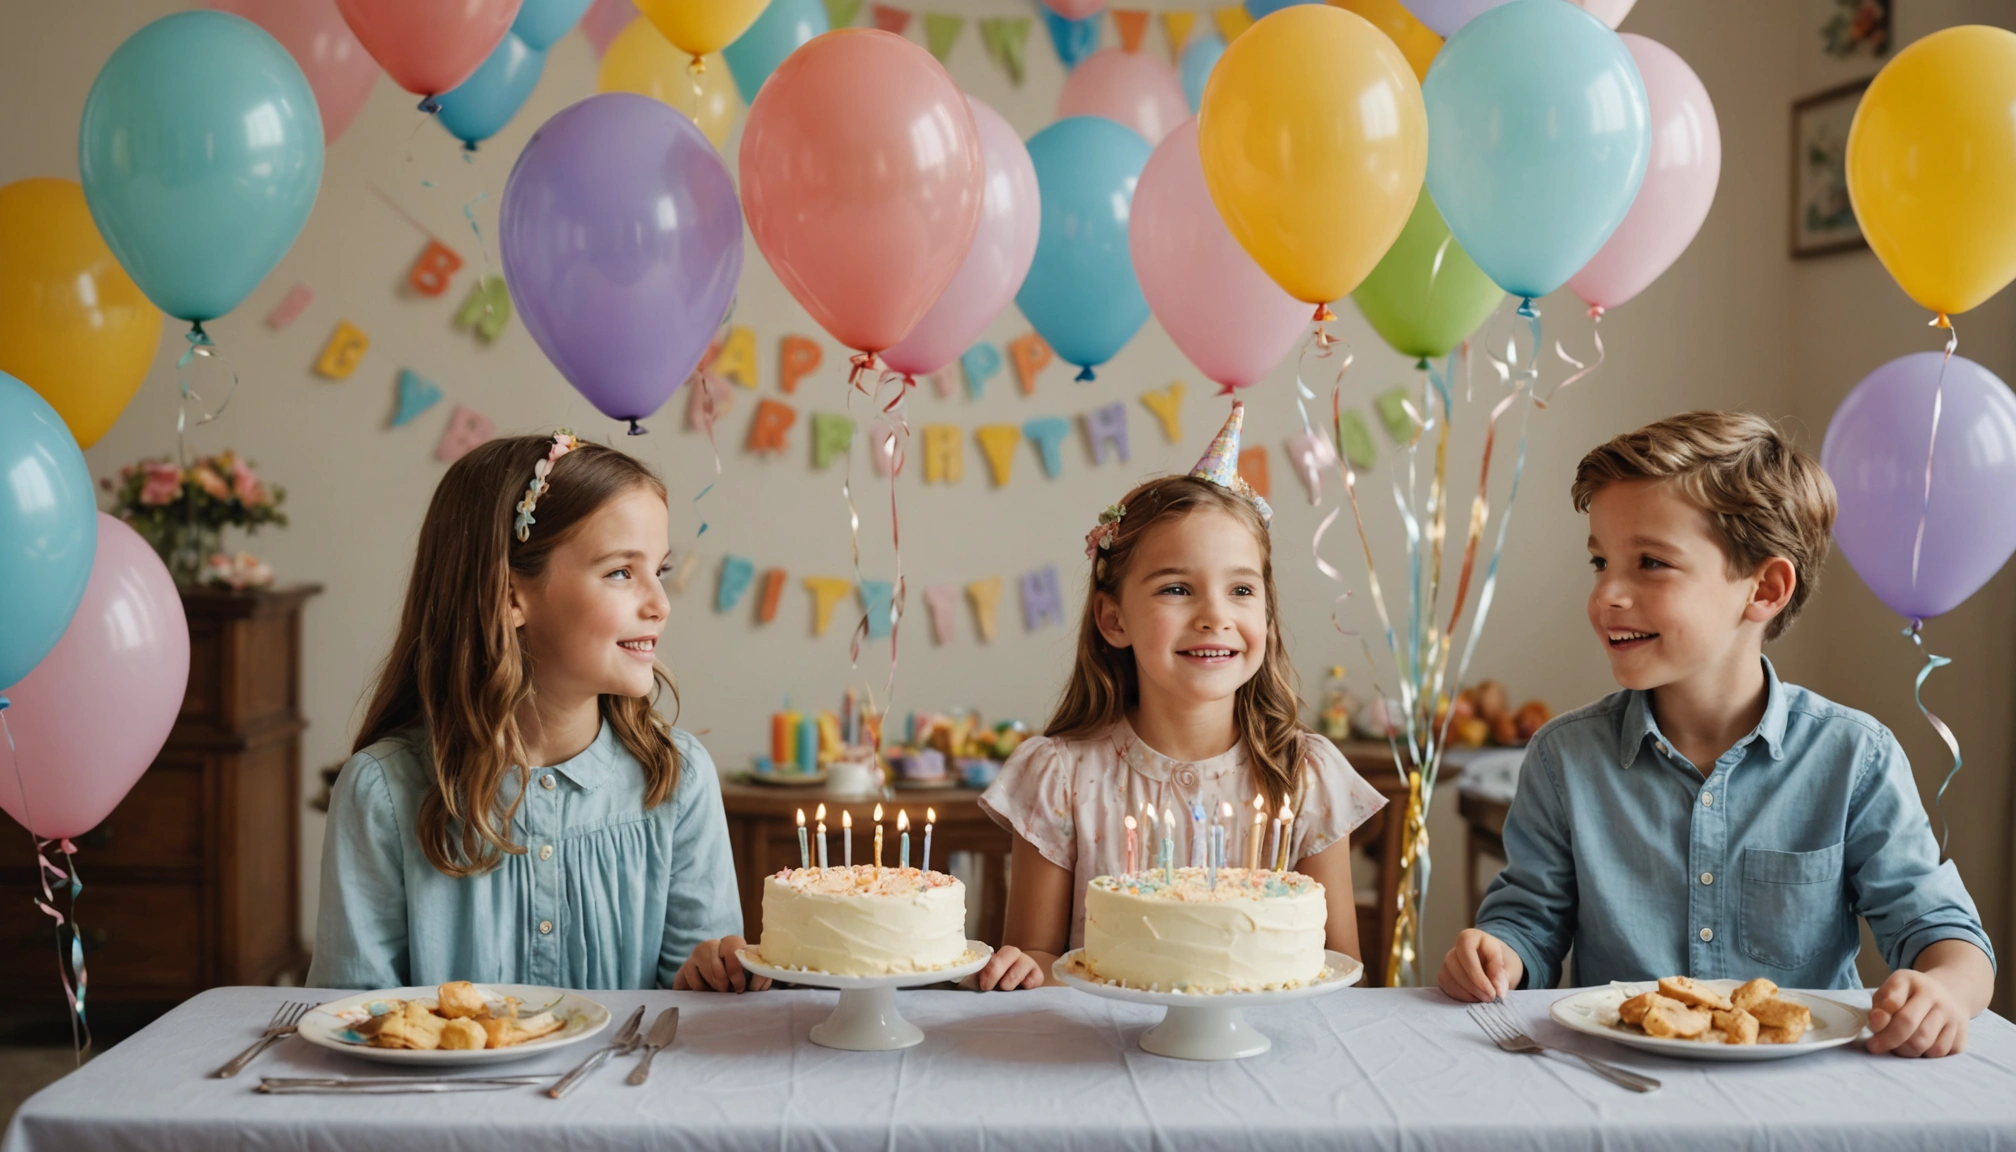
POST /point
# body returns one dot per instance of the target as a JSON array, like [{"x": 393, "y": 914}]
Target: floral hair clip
[
  {"x": 564, "y": 441},
  {"x": 1101, "y": 538}
]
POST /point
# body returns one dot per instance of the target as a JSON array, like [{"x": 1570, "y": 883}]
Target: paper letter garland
[
  {"x": 736, "y": 573},
  {"x": 773, "y": 591},
  {"x": 876, "y": 597},
  {"x": 944, "y": 454},
  {"x": 1107, "y": 428},
  {"x": 435, "y": 267},
  {"x": 1031, "y": 355},
  {"x": 773, "y": 420},
  {"x": 416, "y": 395},
  {"x": 290, "y": 307},
  {"x": 341, "y": 354},
  {"x": 487, "y": 308},
  {"x": 1049, "y": 432},
  {"x": 1167, "y": 405},
  {"x": 466, "y": 429},
  {"x": 998, "y": 443},
  {"x": 797, "y": 358},
  {"x": 737, "y": 359},
  {"x": 979, "y": 365},
  {"x": 1042, "y": 600},
  {"x": 832, "y": 436},
  {"x": 986, "y": 598},
  {"x": 943, "y": 601},
  {"x": 826, "y": 592},
  {"x": 1253, "y": 469}
]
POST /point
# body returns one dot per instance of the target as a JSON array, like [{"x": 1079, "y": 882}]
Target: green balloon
[{"x": 1418, "y": 308}]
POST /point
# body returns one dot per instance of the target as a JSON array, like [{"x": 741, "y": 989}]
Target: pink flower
[
  {"x": 245, "y": 483},
  {"x": 162, "y": 483},
  {"x": 207, "y": 479}
]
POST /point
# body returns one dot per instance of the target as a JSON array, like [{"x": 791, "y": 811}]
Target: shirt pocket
[{"x": 1792, "y": 905}]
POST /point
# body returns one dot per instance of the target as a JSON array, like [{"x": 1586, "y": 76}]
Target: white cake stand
[
  {"x": 1203, "y": 1025},
  {"x": 866, "y": 1019}
]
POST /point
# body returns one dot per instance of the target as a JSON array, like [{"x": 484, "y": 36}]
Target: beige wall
[{"x": 1735, "y": 323}]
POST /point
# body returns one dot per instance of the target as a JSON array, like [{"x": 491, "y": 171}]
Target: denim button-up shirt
[
  {"x": 607, "y": 894},
  {"x": 1650, "y": 867}
]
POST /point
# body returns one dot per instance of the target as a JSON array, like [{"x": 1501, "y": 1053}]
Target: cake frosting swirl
[
  {"x": 863, "y": 920},
  {"x": 1254, "y": 931}
]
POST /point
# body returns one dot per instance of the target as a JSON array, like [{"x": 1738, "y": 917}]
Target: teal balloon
[
  {"x": 1081, "y": 293},
  {"x": 777, "y": 33},
  {"x": 200, "y": 153},
  {"x": 48, "y": 528},
  {"x": 541, "y": 23},
  {"x": 483, "y": 104},
  {"x": 1538, "y": 136},
  {"x": 1199, "y": 57}
]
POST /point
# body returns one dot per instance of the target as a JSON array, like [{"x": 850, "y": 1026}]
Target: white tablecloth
[{"x": 1048, "y": 1069}]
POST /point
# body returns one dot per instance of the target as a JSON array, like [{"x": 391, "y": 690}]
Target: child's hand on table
[
  {"x": 713, "y": 968},
  {"x": 1479, "y": 967},
  {"x": 1009, "y": 968},
  {"x": 1917, "y": 1014}
]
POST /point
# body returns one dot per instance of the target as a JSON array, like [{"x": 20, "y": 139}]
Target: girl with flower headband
[
  {"x": 516, "y": 810},
  {"x": 1182, "y": 695}
]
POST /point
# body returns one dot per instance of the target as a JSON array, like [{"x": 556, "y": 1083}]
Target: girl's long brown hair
[
  {"x": 458, "y": 666},
  {"x": 1104, "y": 684}
]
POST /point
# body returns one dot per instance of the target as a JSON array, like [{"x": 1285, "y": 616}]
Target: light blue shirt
[
  {"x": 1617, "y": 845},
  {"x": 608, "y": 894}
]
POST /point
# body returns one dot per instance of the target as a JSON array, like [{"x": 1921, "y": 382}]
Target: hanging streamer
[
  {"x": 70, "y": 968},
  {"x": 1945, "y": 733}
]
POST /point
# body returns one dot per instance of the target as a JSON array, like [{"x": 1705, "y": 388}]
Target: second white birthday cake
[
  {"x": 863, "y": 920},
  {"x": 1254, "y": 931}
]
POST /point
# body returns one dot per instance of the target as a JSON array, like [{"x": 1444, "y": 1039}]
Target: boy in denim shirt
[{"x": 1710, "y": 820}]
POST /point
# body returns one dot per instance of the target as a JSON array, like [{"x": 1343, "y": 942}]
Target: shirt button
[
  {"x": 546, "y": 928},
  {"x": 546, "y": 782},
  {"x": 1664, "y": 750},
  {"x": 546, "y": 853},
  {"x": 1707, "y": 934},
  {"x": 1707, "y": 799},
  {"x": 1706, "y": 877}
]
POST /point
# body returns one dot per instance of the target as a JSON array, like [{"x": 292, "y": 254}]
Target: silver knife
[
  {"x": 662, "y": 1031},
  {"x": 282, "y": 1085},
  {"x": 626, "y": 1042}
]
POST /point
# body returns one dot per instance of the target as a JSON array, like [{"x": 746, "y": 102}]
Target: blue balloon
[
  {"x": 777, "y": 33},
  {"x": 48, "y": 528},
  {"x": 200, "y": 153},
  {"x": 1538, "y": 137},
  {"x": 1074, "y": 39},
  {"x": 1260, "y": 8},
  {"x": 1081, "y": 293},
  {"x": 541, "y": 23},
  {"x": 480, "y": 107},
  {"x": 1199, "y": 57}
]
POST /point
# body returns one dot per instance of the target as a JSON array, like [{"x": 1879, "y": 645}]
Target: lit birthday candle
[
  {"x": 878, "y": 837},
  {"x": 1129, "y": 821},
  {"x": 930, "y": 818},
  {"x": 1221, "y": 838},
  {"x": 1274, "y": 837},
  {"x": 1253, "y": 840},
  {"x": 1282, "y": 827},
  {"x": 1148, "y": 810},
  {"x": 1199, "y": 844},
  {"x": 902, "y": 839},
  {"x": 820, "y": 816},
  {"x": 847, "y": 838},
  {"x": 804, "y": 850}
]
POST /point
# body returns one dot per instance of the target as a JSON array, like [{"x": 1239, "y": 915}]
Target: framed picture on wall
[{"x": 1822, "y": 218}]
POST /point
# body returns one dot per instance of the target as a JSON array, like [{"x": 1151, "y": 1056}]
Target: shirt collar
[
  {"x": 1640, "y": 725},
  {"x": 590, "y": 767},
  {"x": 1155, "y": 766}
]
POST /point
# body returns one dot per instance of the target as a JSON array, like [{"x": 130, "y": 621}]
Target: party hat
[{"x": 1220, "y": 462}]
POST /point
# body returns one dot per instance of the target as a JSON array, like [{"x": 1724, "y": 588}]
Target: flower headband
[
  {"x": 1219, "y": 465},
  {"x": 564, "y": 441}
]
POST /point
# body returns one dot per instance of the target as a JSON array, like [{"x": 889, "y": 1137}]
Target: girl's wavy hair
[
  {"x": 459, "y": 668},
  {"x": 1104, "y": 684}
]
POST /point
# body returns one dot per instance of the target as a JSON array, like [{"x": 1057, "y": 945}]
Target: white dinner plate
[
  {"x": 328, "y": 1025},
  {"x": 1594, "y": 1012}
]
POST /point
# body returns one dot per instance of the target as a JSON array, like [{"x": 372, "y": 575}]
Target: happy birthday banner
[{"x": 1006, "y": 38}]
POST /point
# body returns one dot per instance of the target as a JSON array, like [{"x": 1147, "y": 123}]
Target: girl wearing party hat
[{"x": 1181, "y": 702}]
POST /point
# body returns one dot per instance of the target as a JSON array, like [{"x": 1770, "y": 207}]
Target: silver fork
[
  {"x": 626, "y": 1041},
  {"x": 285, "y": 1019},
  {"x": 1498, "y": 1024}
]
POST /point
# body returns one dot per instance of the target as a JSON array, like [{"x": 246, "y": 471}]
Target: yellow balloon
[
  {"x": 1314, "y": 142},
  {"x": 73, "y": 325},
  {"x": 639, "y": 60},
  {"x": 1416, "y": 40},
  {"x": 702, "y": 27},
  {"x": 1932, "y": 166}
]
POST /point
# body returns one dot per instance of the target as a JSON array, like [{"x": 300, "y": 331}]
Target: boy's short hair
[{"x": 1763, "y": 497}]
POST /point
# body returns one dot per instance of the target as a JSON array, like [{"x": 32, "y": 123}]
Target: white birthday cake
[
  {"x": 863, "y": 920},
  {"x": 1254, "y": 931}
]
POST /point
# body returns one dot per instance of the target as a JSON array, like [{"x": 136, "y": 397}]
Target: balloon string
[
  {"x": 201, "y": 347},
  {"x": 892, "y": 417},
  {"x": 73, "y": 993},
  {"x": 1939, "y": 726},
  {"x": 1932, "y": 441},
  {"x": 1320, "y": 344},
  {"x": 1596, "y": 335}
]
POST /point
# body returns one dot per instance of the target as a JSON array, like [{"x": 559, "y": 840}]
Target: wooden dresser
[{"x": 194, "y": 880}]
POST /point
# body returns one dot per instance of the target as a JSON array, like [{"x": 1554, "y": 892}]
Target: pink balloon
[
  {"x": 1229, "y": 317},
  {"x": 430, "y": 46},
  {"x": 1011, "y": 217},
  {"x": 862, "y": 180},
  {"x": 1679, "y": 183},
  {"x": 1075, "y": 9},
  {"x": 604, "y": 21},
  {"x": 1611, "y": 12},
  {"x": 91, "y": 717},
  {"x": 1132, "y": 88},
  {"x": 313, "y": 32}
]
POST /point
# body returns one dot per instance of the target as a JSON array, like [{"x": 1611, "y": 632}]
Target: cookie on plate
[{"x": 1692, "y": 993}]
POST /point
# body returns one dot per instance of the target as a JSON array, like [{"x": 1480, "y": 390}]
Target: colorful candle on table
[
  {"x": 1129, "y": 821},
  {"x": 783, "y": 740},
  {"x": 1283, "y": 827},
  {"x": 820, "y": 816},
  {"x": 847, "y": 839},
  {"x": 902, "y": 839},
  {"x": 930, "y": 818},
  {"x": 808, "y": 744},
  {"x": 804, "y": 850},
  {"x": 847, "y": 720},
  {"x": 878, "y": 837}
]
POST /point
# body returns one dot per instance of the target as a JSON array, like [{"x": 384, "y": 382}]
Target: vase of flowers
[{"x": 183, "y": 512}]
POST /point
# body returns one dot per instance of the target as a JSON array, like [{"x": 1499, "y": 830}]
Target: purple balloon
[
  {"x": 1875, "y": 453},
  {"x": 622, "y": 243}
]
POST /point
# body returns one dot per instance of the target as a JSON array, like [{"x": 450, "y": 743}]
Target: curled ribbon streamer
[
  {"x": 1322, "y": 345},
  {"x": 892, "y": 417},
  {"x": 1932, "y": 440},
  {"x": 706, "y": 385},
  {"x": 1596, "y": 336},
  {"x": 1945, "y": 733},
  {"x": 70, "y": 970}
]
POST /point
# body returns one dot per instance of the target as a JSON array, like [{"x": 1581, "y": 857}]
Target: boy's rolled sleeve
[
  {"x": 1899, "y": 885},
  {"x": 1531, "y": 904}
]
